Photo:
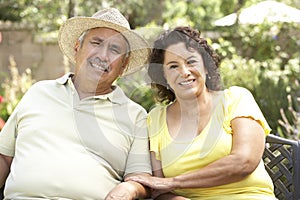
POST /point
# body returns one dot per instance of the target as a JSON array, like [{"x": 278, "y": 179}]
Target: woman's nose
[{"x": 184, "y": 71}]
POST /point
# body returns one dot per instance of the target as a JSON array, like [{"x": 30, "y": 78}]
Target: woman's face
[{"x": 184, "y": 71}]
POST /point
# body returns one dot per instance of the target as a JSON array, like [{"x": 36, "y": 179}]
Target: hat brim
[{"x": 71, "y": 30}]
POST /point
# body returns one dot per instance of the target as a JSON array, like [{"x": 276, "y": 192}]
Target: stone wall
[{"x": 42, "y": 56}]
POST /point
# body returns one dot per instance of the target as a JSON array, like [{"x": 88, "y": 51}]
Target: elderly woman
[{"x": 205, "y": 142}]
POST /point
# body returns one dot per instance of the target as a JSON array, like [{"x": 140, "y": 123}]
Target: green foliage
[
  {"x": 266, "y": 41},
  {"x": 290, "y": 119},
  {"x": 143, "y": 95},
  {"x": 13, "y": 89},
  {"x": 137, "y": 88},
  {"x": 266, "y": 80},
  {"x": 177, "y": 11},
  {"x": 240, "y": 71},
  {"x": 10, "y": 10},
  {"x": 270, "y": 95},
  {"x": 264, "y": 58},
  {"x": 200, "y": 13},
  {"x": 289, "y": 124},
  {"x": 229, "y": 6}
]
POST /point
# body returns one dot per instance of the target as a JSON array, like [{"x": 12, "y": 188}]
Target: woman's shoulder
[
  {"x": 157, "y": 115},
  {"x": 237, "y": 91},
  {"x": 157, "y": 108}
]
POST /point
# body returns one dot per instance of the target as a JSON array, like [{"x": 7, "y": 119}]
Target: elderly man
[{"x": 79, "y": 137}]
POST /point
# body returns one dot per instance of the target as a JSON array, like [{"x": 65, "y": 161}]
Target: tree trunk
[{"x": 71, "y": 11}]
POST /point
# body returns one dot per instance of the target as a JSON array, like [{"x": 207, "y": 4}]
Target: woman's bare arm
[{"x": 247, "y": 148}]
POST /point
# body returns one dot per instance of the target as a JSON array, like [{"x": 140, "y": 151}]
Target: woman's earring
[
  {"x": 208, "y": 76},
  {"x": 168, "y": 87}
]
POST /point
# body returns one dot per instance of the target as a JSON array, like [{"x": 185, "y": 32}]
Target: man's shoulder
[
  {"x": 136, "y": 106},
  {"x": 44, "y": 84},
  {"x": 121, "y": 96}
]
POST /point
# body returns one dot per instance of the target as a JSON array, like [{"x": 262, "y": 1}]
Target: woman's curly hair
[{"x": 191, "y": 38}]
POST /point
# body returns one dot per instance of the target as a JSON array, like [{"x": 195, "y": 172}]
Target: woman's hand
[{"x": 156, "y": 183}]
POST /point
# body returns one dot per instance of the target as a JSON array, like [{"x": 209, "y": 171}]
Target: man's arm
[
  {"x": 129, "y": 190},
  {"x": 5, "y": 162}
]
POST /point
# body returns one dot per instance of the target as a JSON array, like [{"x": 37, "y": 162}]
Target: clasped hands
[{"x": 158, "y": 185}]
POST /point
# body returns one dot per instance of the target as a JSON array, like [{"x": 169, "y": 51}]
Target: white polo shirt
[{"x": 66, "y": 148}]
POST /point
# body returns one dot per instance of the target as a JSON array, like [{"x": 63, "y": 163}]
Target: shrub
[
  {"x": 265, "y": 80},
  {"x": 290, "y": 128},
  {"x": 13, "y": 88}
]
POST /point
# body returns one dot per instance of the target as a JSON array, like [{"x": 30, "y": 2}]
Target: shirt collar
[
  {"x": 116, "y": 96},
  {"x": 63, "y": 80}
]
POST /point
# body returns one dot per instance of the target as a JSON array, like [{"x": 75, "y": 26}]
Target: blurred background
[{"x": 259, "y": 42}]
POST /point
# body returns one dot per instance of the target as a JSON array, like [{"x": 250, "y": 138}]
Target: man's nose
[{"x": 103, "y": 53}]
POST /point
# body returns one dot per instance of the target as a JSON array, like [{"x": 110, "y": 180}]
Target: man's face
[{"x": 100, "y": 58}]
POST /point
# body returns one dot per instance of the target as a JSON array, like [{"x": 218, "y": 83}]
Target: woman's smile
[{"x": 187, "y": 82}]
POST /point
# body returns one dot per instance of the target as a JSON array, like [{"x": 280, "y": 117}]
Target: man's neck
[{"x": 85, "y": 90}]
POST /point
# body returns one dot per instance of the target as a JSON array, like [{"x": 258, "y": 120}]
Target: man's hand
[
  {"x": 123, "y": 191},
  {"x": 128, "y": 190},
  {"x": 161, "y": 187}
]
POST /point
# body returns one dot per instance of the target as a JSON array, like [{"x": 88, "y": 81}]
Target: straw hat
[{"x": 108, "y": 18}]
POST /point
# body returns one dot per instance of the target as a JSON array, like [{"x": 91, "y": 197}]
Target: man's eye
[
  {"x": 96, "y": 42},
  {"x": 173, "y": 66},
  {"x": 115, "y": 50}
]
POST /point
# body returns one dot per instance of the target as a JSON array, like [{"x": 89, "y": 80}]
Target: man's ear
[
  {"x": 124, "y": 65},
  {"x": 77, "y": 46},
  {"x": 125, "y": 62}
]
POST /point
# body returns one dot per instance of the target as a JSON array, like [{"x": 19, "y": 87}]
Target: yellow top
[{"x": 213, "y": 143}]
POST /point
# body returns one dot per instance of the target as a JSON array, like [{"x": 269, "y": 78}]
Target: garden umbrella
[{"x": 271, "y": 11}]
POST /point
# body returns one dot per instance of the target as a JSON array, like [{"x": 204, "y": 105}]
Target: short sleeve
[
  {"x": 8, "y": 136},
  {"x": 138, "y": 160},
  {"x": 241, "y": 103},
  {"x": 156, "y": 120}
]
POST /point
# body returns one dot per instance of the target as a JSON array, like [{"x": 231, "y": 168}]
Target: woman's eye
[{"x": 192, "y": 62}]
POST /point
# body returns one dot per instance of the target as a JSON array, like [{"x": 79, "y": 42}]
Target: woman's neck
[{"x": 200, "y": 104}]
